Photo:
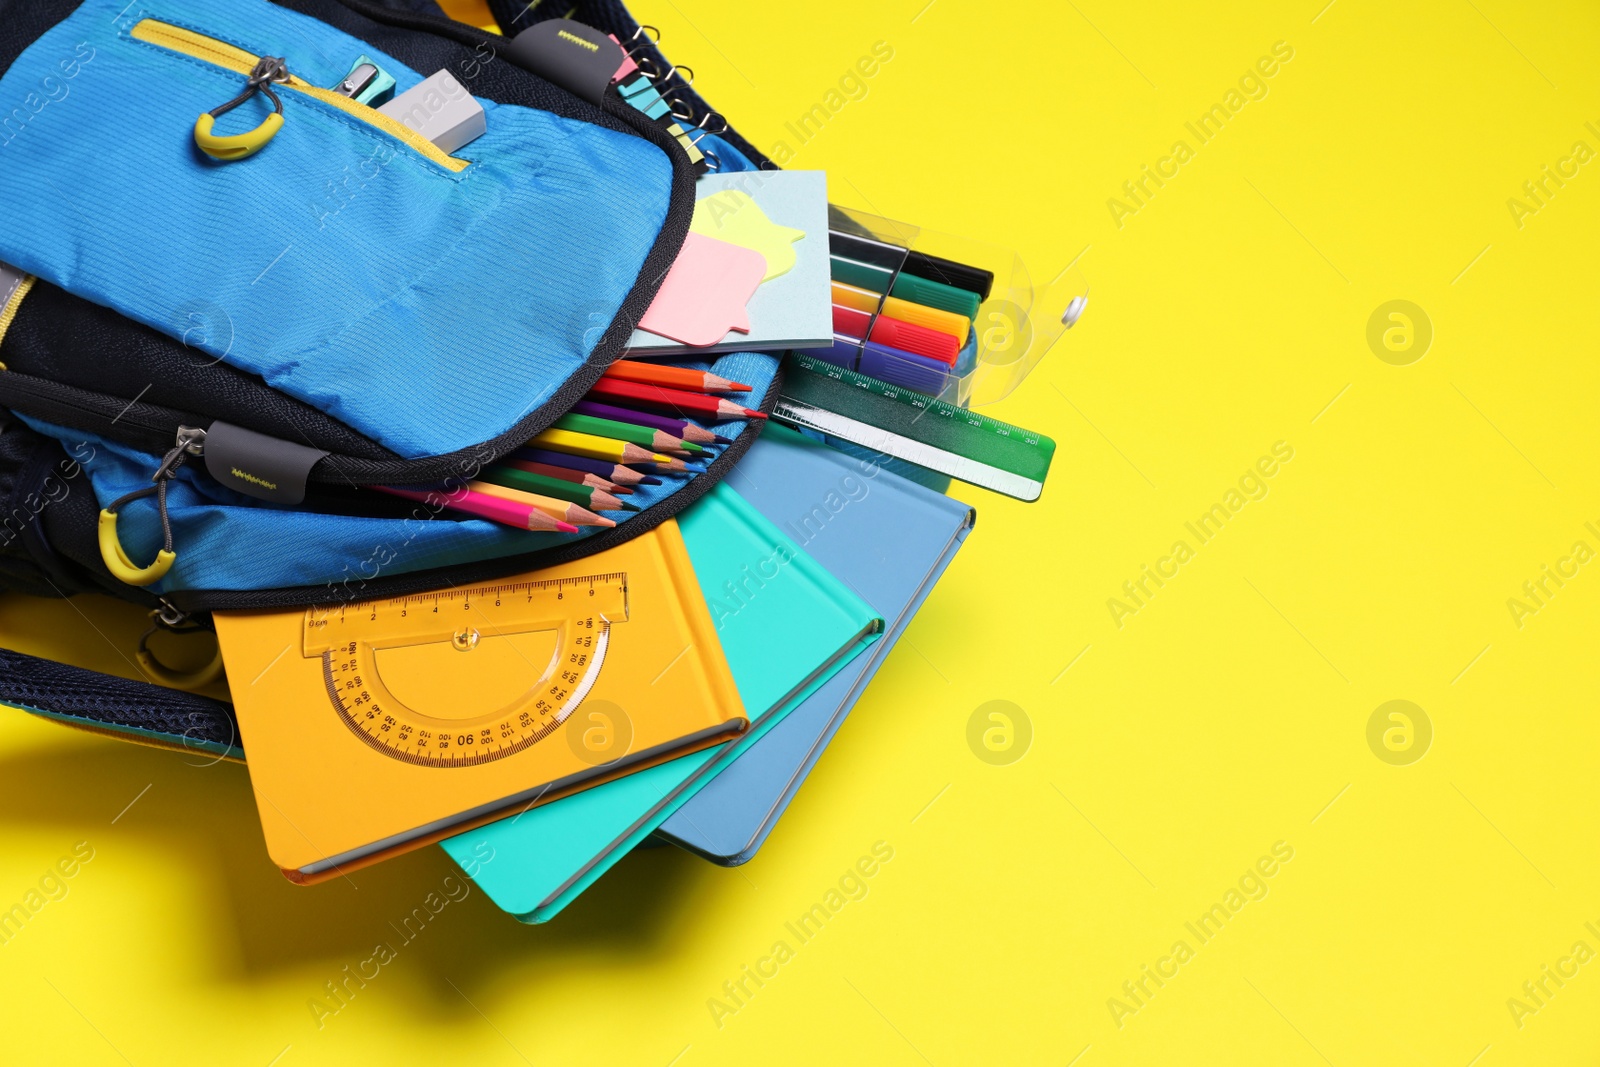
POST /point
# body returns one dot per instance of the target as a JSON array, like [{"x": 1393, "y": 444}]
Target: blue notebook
[
  {"x": 786, "y": 626},
  {"x": 887, "y": 538}
]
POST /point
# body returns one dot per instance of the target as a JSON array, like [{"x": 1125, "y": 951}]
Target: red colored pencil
[
  {"x": 632, "y": 370},
  {"x": 681, "y": 403},
  {"x": 522, "y": 516}
]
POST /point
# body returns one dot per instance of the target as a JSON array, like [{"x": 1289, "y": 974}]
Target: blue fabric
[
  {"x": 427, "y": 309},
  {"x": 225, "y": 540}
]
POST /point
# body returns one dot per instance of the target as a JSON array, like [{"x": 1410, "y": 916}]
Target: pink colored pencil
[{"x": 484, "y": 506}]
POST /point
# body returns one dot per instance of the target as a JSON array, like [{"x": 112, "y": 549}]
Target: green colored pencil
[
  {"x": 643, "y": 436},
  {"x": 586, "y": 495}
]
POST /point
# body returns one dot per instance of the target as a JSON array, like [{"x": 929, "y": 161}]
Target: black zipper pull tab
[{"x": 191, "y": 441}]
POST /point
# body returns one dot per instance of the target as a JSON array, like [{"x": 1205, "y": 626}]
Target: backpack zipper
[
  {"x": 222, "y": 54},
  {"x": 146, "y": 427}
]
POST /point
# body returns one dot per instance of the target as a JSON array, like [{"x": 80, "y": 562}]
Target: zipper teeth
[
  {"x": 220, "y": 53},
  {"x": 9, "y": 312},
  {"x": 491, "y": 570},
  {"x": 216, "y": 51},
  {"x": 52, "y": 393}
]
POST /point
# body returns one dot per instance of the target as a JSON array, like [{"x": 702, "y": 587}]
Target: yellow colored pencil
[{"x": 602, "y": 448}]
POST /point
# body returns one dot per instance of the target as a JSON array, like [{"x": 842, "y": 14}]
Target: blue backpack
[{"x": 357, "y": 307}]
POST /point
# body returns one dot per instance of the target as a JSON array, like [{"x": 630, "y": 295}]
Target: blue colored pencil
[{"x": 616, "y": 472}]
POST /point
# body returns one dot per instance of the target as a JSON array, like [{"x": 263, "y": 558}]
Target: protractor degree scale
[{"x": 359, "y": 642}]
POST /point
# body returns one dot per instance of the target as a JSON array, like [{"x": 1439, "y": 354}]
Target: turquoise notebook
[{"x": 786, "y": 626}]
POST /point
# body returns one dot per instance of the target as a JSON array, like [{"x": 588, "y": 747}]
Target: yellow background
[{"x": 1229, "y": 713}]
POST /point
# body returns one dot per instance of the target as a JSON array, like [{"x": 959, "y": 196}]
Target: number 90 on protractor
[{"x": 462, "y": 677}]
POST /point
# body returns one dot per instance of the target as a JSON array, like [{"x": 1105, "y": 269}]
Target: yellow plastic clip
[
  {"x": 239, "y": 145},
  {"x": 243, "y": 145},
  {"x": 161, "y": 674},
  {"x": 188, "y": 681},
  {"x": 117, "y": 562}
]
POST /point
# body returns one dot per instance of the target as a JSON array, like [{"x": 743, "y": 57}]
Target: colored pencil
[
  {"x": 632, "y": 370},
  {"x": 587, "y": 444},
  {"x": 561, "y": 510},
  {"x": 643, "y": 436},
  {"x": 679, "y": 427},
  {"x": 483, "y": 506},
  {"x": 675, "y": 400},
  {"x": 580, "y": 479},
  {"x": 550, "y": 470},
  {"x": 616, "y": 472},
  {"x": 514, "y": 478}
]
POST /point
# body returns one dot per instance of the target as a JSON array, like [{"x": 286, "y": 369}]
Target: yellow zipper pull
[
  {"x": 270, "y": 69},
  {"x": 170, "y": 619},
  {"x": 191, "y": 441}
]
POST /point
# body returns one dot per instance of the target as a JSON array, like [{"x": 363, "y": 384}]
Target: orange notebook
[{"x": 379, "y": 727}]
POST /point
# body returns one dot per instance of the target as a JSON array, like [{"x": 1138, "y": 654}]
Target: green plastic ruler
[{"x": 914, "y": 427}]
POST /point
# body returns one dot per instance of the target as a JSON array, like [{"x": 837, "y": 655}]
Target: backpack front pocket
[
  {"x": 222, "y": 54},
  {"x": 429, "y": 302}
]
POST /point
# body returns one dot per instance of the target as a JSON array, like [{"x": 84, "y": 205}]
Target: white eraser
[{"x": 440, "y": 109}]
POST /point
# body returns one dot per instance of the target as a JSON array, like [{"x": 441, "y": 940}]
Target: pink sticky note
[
  {"x": 628, "y": 65},
  {"x": 705, "y": 292}
]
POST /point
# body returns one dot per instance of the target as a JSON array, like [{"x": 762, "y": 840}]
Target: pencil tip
[{"x": 565, "y": 527}]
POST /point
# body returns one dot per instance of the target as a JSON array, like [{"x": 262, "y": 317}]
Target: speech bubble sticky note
[
  {"x": 704, "y": 294},
  {"x": 730, "y": 215}
]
